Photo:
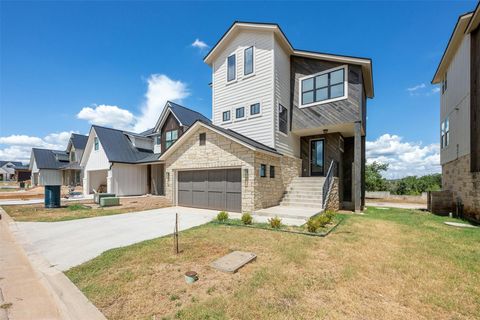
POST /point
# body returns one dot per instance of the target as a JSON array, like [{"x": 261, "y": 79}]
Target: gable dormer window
[
  {"x": 326, "y": 86},
  {"x": 170, "y": 138},
  {"x": 158, "y": 140},
  {"x": 231, "y": 68},
  {"x": 248, "y": 61},
  {"x": 95, "y": 143},
  {"x": 444, "y": 84}
]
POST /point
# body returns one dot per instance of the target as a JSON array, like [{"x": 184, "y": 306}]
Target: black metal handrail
[{"x": 328, "y": 182}]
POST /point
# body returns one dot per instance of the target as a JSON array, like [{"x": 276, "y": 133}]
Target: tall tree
[{"x": 373, "y": 176}]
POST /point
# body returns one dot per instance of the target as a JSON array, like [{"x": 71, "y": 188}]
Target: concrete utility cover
[
  {"x": 460, "y": 225},
  {"x": 233, "y": 261}
]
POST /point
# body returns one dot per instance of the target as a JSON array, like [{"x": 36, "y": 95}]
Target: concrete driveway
[{"x": 69, "y": 243}]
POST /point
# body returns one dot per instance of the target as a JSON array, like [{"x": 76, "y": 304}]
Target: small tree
[{"x": 373, "y": 176}]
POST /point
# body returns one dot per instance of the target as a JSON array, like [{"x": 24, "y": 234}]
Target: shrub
[
  {"x": 275, "y": 223},
  {"x": 313, "y": 224},
  {"x": 330, "y": 214},
  {"x": 247, "y": 218},
  {"x": 323, "y": 220},
  {"x": 222, "y": 216}
]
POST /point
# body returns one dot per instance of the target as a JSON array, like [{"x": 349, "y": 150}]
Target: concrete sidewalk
[
  {"x": 19, "y": 283},
  {"x": 401, "y": 205}
]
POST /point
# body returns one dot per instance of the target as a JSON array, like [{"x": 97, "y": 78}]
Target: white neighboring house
[
  {"x": 7, "y": 169},
  {"x": 45, "y": 165}
]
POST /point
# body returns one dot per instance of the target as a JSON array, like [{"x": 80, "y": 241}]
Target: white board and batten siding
[
  {"x": 246, "y": 90},
  {"x": 128, "y": 180},
  {"x": 48, "y": 177},
  {"x": 455, "y": 104},
  {"x": 288, "y": 144},
  {"x": 96, "y": 159}
]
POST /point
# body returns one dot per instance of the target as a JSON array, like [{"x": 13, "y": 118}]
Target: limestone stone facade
[
  {"x": 333, "y": 201},
  {"x": 465, "y": 185},
  {"x": 220, "y": 151}
]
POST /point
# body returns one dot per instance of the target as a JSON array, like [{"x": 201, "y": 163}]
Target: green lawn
[{"x": 386, "y": 264}]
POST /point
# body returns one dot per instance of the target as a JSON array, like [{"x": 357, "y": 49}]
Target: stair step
[
  {"x": 314, "y": 189},
  {"x": 302, "y": 204}
]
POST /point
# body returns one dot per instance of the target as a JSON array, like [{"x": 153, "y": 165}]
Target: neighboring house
[
  {"x": 22, "y": 173},
  {"x": 7, "y": 170},
  {"x": 278, "y": 114},
  {"x": 459, "y": 76},
  {"x": 126, "y": 163},
  {"x": 58, "y": 167}
]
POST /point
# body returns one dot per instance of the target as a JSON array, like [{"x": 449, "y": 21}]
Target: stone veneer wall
[
  {"x": 465, "y": 185},
  {"x": 222, "y": 152},
  {"x": 333, "y": 201}
]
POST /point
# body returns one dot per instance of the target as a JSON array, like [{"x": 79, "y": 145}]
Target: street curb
[{"x": 71, "y": 302}]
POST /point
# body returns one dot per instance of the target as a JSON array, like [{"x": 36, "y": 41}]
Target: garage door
[{"x": 211, "y": 189}]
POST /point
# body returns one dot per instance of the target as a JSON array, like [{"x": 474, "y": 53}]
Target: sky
[{"x": 67, "y": 65}]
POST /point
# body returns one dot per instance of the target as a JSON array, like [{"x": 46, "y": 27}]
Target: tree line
[{"x": 411, "y": 185}]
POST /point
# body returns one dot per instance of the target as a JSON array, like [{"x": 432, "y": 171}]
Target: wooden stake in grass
[{"x": 175, "y": 235}]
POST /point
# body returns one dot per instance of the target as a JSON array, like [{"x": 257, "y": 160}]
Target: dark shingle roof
[
  {"x": 187, "y": 116},
  {"x": 119, "y": 148},
  {"x": 79, "y": 141},
  {"x": 15, "y": 163},
  {"x": 49, "y": 159}
]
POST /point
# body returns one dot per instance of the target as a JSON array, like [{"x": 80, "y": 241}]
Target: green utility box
[
  {"x": 109, "y": 201},
  {"x": 98, "y": 196}
]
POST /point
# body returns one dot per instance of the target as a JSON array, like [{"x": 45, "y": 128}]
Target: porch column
[{"x": 357, "y": 169}]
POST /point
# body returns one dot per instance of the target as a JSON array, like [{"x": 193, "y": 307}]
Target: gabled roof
[
  {"x": 233, "y": 135},
  {"x": 49, "y": 159},
  {"x": 15, "y": 163},
  {"x": 119, "y": 148},
  {"x": 79, "y": 141},
  {"x": 185, "y": 116},
  {"x": 466, "y": 23},
  {"x": 237, "y": 26}
]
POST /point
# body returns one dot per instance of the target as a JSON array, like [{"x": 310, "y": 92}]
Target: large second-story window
[
  {"x": 282, "y": 119},
  {"x": 323, "y": 87},
  {"x": 445, "y": 133},
  {"x": 170, "y": 138},
  {"x": 239, "y": 113},
  {"x": 231, "y": 68},
  {"x": 248, "y": 61}
]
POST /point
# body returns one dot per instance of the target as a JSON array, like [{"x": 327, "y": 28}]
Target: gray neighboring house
[
  {"x": 58, "y": 167},
  {"x": 7, "y": 169},
  {"x": 458, "y": 73}
]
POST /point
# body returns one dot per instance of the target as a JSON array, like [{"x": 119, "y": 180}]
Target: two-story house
[
  {"x": 287, "y": 125},
  {"x": 459, "y": 76}
]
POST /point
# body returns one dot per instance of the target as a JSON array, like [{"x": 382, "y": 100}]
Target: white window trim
[
  {"x": 236, "y": 71},
  {"x": 231, "y": 115},
  {"x": 234, "y": 112},
  {"x": 345, "y": 87},
  {"x": 246, "y": 76},
  {"x": 253, "y": 116},
  {"x": 278, "y": 120}
]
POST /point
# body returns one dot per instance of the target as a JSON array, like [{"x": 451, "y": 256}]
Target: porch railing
[{"x": 327, "y": 185}]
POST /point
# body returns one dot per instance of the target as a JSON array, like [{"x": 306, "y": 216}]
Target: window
[
  {"x": 445, "y": 133},
  {"x": 170, "y": 138},
  {"x": 255, "y": 109},
  {"x": 226, "y": 115},
  {"x": 231, "y": 68},
  {"x": 72, "y": 156},
  {"x": 95, "y": 143},
  {"x": 202, "y": 138},
  {"x": 239, "y": 112},
  {"x": 444, "y": 84},
  {"x": 323, "y": 87},
  {"x": 282, "y": 119},
  {"x": 263, "y": 170},
  {"x": 158, "y": 140},
  {"x": 272, "y": 171},
  {"x": 248, "y": 61}
]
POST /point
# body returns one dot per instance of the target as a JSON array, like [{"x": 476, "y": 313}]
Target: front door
[{"x": 317, "y": 154}]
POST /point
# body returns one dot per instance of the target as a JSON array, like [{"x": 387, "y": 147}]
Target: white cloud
[
  {"x": 200, "y": 44},
  {"x": 160, "y": 89},
  {"x": 404, "y": 158},
  {"x": 417, "y": 87},
  {"x": 106, "y": 115},
  {"x": 18, "y": 147},
  {"x": 436, "y": 90}
]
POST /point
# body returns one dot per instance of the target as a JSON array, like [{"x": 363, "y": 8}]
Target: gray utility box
[
  {"x": 109, "y": 201},
  {"x": 98, "y": 196}
]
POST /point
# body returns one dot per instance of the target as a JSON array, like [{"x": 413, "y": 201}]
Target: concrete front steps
[{"x": 306, "y": 192}]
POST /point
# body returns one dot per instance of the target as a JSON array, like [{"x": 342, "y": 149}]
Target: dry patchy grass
[
  {"x": 387, "y": 264},
  {"x": 83, "y": 209}
]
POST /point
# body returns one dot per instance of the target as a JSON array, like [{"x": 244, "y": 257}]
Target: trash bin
[
  {"x": 22, "y": 185},
  {"x": 52, "y": 196}
]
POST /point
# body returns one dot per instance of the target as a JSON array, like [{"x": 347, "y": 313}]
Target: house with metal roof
[
  {"x": 7, "y": 169},
  {"x": 58, "y": 167}
]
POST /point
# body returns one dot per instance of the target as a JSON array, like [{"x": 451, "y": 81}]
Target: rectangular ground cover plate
[{"x": 233, "y": 261}]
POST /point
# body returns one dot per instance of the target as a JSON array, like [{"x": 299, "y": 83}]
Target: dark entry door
[
  {"x": 317, "y": 157},
  {"x": 211, "y": 189}
]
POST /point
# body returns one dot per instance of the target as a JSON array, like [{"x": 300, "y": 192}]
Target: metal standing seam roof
[
  {"x": 185, "y": 115},
  {"x": 46, "y": 158},
  {"x": 15, "y": 163},
  {"x": 119, "y": 148},
  {"x": 79, "y": 141}
]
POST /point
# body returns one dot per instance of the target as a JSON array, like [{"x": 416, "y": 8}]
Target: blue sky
[{"x": 58, "y": 58}]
